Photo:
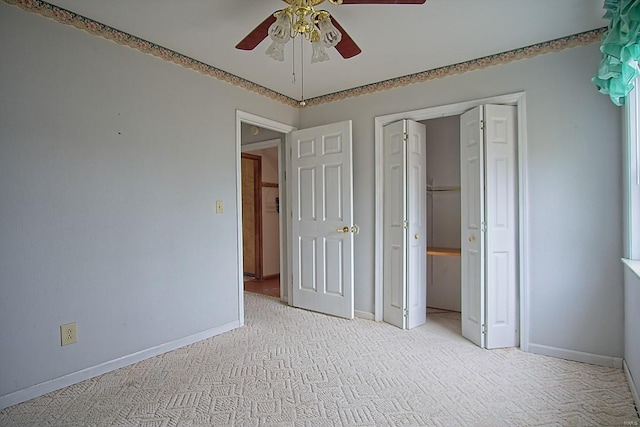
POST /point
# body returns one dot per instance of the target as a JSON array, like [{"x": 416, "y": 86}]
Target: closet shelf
[
  {"x": 441, "y": 190},
  {"x": 434, "y": 189},
  {"x": 438, "y": 251}
]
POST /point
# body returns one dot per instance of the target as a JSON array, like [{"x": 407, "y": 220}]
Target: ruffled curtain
[{"x": 620, "y": 50}]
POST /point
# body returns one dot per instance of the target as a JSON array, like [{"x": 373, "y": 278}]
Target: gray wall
[
  {"x": 110, "y": 165},
  {"x": 574, "y": 181},
  {"x": 111, "y": 161}
]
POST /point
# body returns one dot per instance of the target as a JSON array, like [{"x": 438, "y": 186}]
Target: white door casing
[
  {"x": 472, "y": 216},
  {"x": 404, "y": 238},
  {"x": 502, "y": 227},
  {"x": 322, "y": 219}
]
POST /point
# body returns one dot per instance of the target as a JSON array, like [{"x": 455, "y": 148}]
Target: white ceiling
[{"x": 396, "y": 40}]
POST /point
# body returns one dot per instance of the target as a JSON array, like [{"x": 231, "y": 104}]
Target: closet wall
[{"x": 443, "y": 213}]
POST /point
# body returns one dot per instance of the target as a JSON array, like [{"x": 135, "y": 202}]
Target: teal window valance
[{"x": 618, "y": 68}]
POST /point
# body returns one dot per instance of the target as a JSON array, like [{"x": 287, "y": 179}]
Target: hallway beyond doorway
[{"x": 269, "y": 287}]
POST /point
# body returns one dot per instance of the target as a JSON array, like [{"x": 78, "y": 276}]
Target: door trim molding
[
  {"x": 519, "y": 100},
  {"x": 252, "y": 119}
]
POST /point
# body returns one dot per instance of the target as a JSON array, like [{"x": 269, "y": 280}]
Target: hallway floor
[{"x": 270, "y": 287}]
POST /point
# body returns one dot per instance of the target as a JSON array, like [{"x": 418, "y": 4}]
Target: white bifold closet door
[
  {"x": 404, "y": 224},
  {"x": 489, "y": 226}
]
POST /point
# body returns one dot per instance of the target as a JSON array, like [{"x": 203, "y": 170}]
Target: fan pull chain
[
  {"x": 302, "y": 101},
  {"x": 293, "y": 61}
]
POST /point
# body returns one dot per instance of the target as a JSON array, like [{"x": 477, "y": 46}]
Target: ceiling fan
[{"x": 317, "y": 26}]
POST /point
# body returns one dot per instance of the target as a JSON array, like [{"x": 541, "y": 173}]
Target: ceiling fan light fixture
[
  {"x": 275, "y": 51},
  {"x": 329, "y": 34},
  {"x": 300, "y": 18},
  {"x": 318, "y": 54},
  {"x": 280, "y": 31}
]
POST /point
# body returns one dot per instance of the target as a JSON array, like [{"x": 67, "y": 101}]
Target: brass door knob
[
  {"x": 472, "y": 238},
  {"x": 343, "y": 230}
]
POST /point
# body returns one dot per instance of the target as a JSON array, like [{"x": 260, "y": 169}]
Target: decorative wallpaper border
[
  {"x": 556, "y": 45},
  {"x": 67, "y": 17}
]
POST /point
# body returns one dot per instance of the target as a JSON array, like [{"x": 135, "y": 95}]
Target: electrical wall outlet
[
  {"x": 218, "y": 206},
  {"x": 68, "y": 334}
]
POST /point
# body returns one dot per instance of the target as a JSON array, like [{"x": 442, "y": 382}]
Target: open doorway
[
  {"x": 443, "y": 209},
  {"x": 261, "y": 187}
]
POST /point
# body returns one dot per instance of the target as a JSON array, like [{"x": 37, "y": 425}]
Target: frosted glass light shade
[
  {"x": 276, "y": 51},
  {"x": 329, "y": 34},
  {"x": 318, "y": 54},
  {"x": 280, "y": 31}
]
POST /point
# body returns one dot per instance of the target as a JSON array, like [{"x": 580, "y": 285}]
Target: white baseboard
[
  {"x": 84, "y": 374},
  {"x": 577, "y": 356},
  {"x": 632, "y": 385},
  {"x": 364, "y": 315}
]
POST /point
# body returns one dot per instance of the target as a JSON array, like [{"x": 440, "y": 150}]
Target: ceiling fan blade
[
  {"x": 258, "y": 34},
  {"x": 347, "y": 47},
  {"x": 383, "y": 1}
]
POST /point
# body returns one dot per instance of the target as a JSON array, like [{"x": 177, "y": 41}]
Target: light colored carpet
[{"x": 290, "y": 367}]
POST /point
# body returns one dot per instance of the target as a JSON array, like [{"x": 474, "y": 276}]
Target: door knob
[
  {"x": 472, "y": 238},
  {"x": 417, "y": 236},
  {"x": 343, "y": 230}
]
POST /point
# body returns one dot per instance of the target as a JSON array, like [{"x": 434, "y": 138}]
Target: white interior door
[
  {"x": 472, "y": 230},
  {"x": 322, "y": 219},
  {"x": 417, "y": 222},
  {"x": 501, "y": 220},
  {"x": 395, "y": 235},
  {"x": 404, "y": 240}
]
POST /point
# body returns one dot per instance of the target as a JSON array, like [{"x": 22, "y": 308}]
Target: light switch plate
[{"x": 218, "y": 206}]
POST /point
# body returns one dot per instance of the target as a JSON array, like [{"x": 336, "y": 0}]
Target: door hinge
[
  {"x": 482, "y": 124},
  {"x": 405, "y": 224},
  {"x": 483, "y": 226},
  {"x": 405, "y": 312},
  {"x": 405, "y": 136},
  {"x": 484, "y": 329}
]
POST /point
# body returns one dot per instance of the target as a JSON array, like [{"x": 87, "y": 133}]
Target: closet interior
[{"x": 443, "y": 214}]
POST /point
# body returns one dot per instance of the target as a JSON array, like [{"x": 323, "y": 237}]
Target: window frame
[{"x": 631, "y": 179}]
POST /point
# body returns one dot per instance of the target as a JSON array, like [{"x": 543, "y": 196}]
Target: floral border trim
[
  {"x": 67, "y": 17},
  {"x": 580, "y": 39}
]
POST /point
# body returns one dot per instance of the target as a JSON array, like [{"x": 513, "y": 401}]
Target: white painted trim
[
  {"x": 523, "y": 223},
  {"x": 631, "y": 178},
  {"x": 632, "y": 384},
  {"x": 288, "y": 214},
  {"x": 252, "y": 119},
  {"x": 93, "y": 371},
  {"x": 577, "y": 356},
  {"x": 633, "y": 265},
  {"x": 271, "y": 143},
  {"x": 364, "y": 315},
  {"x": 518, "y": 99}
]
